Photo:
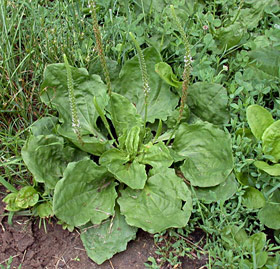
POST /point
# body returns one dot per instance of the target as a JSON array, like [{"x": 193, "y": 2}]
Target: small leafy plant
[
  {"x": 109, "y": 161},
  {"x": 267, "y": 130},
  {"x": 256, "y": 252}
]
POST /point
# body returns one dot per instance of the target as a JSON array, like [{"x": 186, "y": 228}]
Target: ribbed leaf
[
  {"x": 46, "y": 158},
  {"x": 222, "y": 192},
  {"x": 86, "y": 193},
  {"x": 124, "y": 114},
  {"x": 103, "y": 241},
  {"x": 271, "y": 141},
  {"x": 207, "y": 152},
  {"x": 208, "y": 101},
  {"x": 161, "y": 100},
  {"x": 156, "y": 155},
  {"x": 258, "y": 119},
  {"x": 55, "y": 94},
  {"x": 132, "y": 173},
  {"x": 159, "y": 205}
]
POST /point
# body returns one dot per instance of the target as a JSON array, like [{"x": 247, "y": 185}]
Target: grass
[{"x": 37, "y": 33}]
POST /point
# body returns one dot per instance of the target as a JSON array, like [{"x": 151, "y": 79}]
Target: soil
[{"x": 34, "y": 248}]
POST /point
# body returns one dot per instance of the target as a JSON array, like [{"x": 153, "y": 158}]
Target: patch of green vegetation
[{"x": 235, "y": 51}]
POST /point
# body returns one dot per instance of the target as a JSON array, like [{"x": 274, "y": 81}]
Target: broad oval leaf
[
  {"x": 209, "y": 101},
  {"x": 10, "y": 201},
  {"x": 256, "y": 242},
  {"x": 267, "y": 60},
  {"x": 55, "y": 94},
  {"x": 156, "y": 155},
  {"x": 273, "y": 170},
  {"x": 27, "y": 197},
  {"x": 271, "y": 140},
  {"x": 132, "y": 173},
  {"x": 261, "y": 258},
  {"x": 124, "y": 114},
  {"x": 258, "y": 119},
  {"x": 231, "y": 35},
  {"x": 110, "y": 237},
  {"x": 234, "y": 236},
  {"x": 46, "y": 158},
  {"x": 95, "y": 145},
  {"x": 165, "y": 71},
  {"x": 44, "y": 210},
  {"x": 44, "y": 126},
  {"x": 207, "y": 152},
  {"x": 253, "y": 198},
  {"x": 161, "y": 101},
  {"x": 85, "y": 193},
  {"x": 159, "y": 205},
  {"x": 269, "y": 215},
  {"x": 222, "y": 192}
]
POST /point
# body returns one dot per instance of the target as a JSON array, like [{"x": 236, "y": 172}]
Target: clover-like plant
[{"x": 107, "y": 161}]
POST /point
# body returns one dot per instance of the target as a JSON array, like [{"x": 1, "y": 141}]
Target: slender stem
[
  {"x": 145, "y": 79},
  {"x": 186, "y": 72},
  {"x": 99, "y": 46},
  {"x": 72, "y": 101}
]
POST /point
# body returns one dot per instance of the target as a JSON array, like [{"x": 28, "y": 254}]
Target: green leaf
[
  {"x": 91, "y": 144},
  {"x": 273, "y": 170},
  {"x": 173, "y": 118},
  {"x": 132, "y": 173},
  {"x": 251, "y": 16},
  {"x": 207, "y": 151},
  {"x": 113, "y": 68},
  {"x": 132, "y": 140},
  {"x": 256, "y": 242},
  {"x": 231, "y": 35},
  {"x": 55, "y": 94},
  {"x": 103, "y": 241},
  {"x": 253, "y": 198},
  {"x": 156, "y": 155},
  {"x": 124, "y": 114},
  {"x": 267, "y": 60},
  {"x": 159, "y": 205},
  {"x": 10, "y": 201},
  {"x": 45, "y": 210},
  {"x": 269, "y": 215},
  {"x": 209, "y": 101},
  {"x": 85, "y": 193},
  {"x": 246, "y": 264},
  {"x": 27, "y": 197},
  {"x": 234, "y": 236},
  {"x": 222, "y": 192},
  {"x": 261, "y": 259},
  {"x": 165, "y": 71},
  {"x": 259, "y": 119},
  {"x": 46, "y": 158},
  {"x": 44, "y": 126},
  {"x": 271, "y": 140},
  {"x": 161, "y": 101}
]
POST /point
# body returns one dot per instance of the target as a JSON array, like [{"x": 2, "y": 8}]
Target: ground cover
[{"x": 235, "y": 51}]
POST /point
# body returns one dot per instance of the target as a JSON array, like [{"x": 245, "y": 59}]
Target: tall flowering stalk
[
  {"x": 145, "y": 78},
  {"x": 99, "y": 46},
  {"x": 72, "y": 100},
  {"x": 186, "y": 72}
]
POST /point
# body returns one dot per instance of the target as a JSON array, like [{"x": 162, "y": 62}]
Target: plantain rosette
[{"x": 109, "y": 186}]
